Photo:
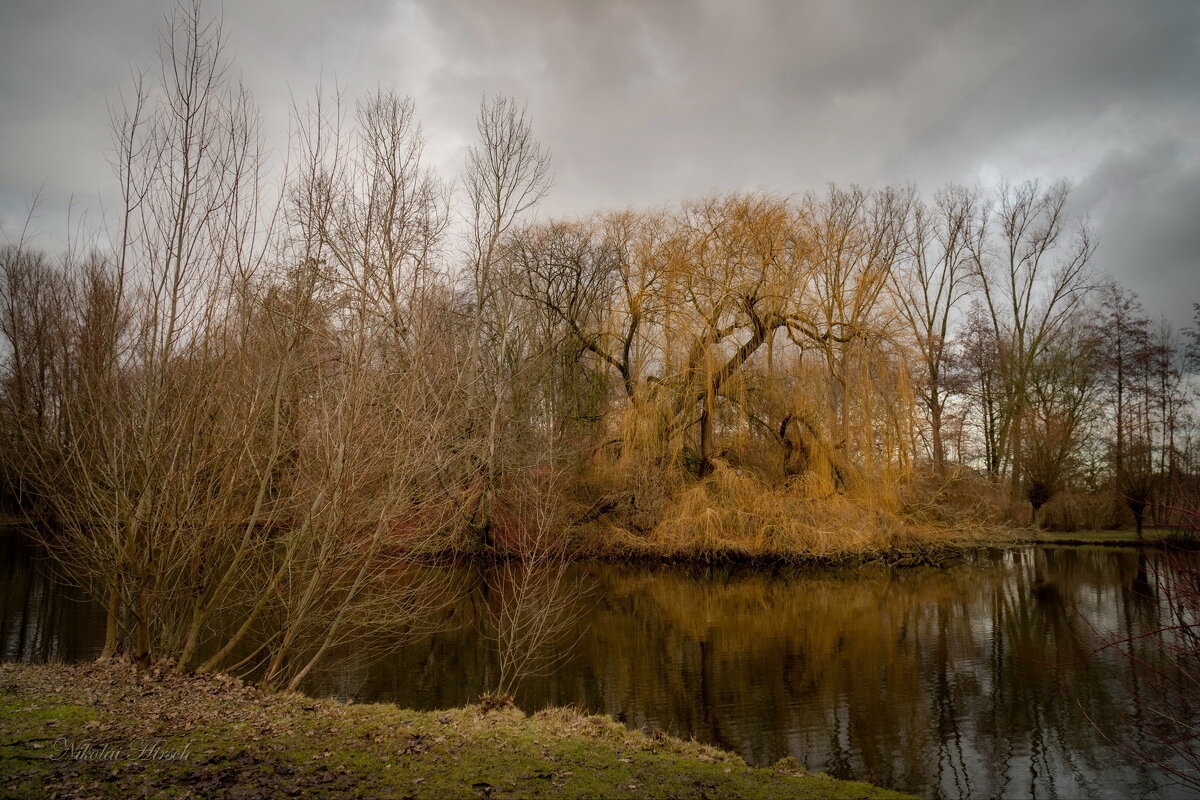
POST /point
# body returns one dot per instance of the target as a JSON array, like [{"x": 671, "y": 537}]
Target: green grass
[
  {"x": 229, "y": 739},
  {"x": 1123, "y": 536}
]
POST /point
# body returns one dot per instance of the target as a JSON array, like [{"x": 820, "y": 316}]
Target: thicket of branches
[{"x": 250, "y": 415}]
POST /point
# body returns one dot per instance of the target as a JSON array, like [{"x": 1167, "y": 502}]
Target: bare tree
[
  {"x": 186, "y": 160},
  {"x": 931, "y": 283},
  {"x": 245, "y": 450},
  {"x": 1062, "y": 401},
  {"x": 532, "y": 600},
  {"x": 507, "y": 174},
  {"x": 1033, "y": 274}
]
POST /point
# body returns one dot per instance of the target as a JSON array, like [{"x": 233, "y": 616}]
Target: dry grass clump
[
  {"x": 959, "y": 498},
  {"x": 1085, "y": 511},
  {"x": 735, "y": 513}
]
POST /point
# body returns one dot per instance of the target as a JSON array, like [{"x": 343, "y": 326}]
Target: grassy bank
[
  {"x": 102, "y": 730},
  {"x": 1153, "y": 537}
]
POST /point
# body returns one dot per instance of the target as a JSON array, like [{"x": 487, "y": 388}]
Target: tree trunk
[
  {"x": 705, "y": 466},
  {"x": 112, "y": 626},
  {"x": 141, "y": 641},
  {"x": 935, "y": 424}
]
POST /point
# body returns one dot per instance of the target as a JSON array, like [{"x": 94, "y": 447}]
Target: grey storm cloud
[{"x": 643, "y": 103}]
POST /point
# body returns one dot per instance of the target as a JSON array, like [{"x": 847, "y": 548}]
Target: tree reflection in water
[{"x": 967, "y": 681}]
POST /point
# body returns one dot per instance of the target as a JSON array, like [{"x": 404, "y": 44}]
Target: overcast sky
[{"x": 644, "y": 103}]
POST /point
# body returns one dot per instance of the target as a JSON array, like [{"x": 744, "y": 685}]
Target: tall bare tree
[
  {"x": 1032, "y": 268},
  {"x": 507, "y": 173},
  {"x": 931, "y": 283}
]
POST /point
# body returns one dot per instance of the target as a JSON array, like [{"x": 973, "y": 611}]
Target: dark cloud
[
  {"x": 1145, "y": 204},
  {"x": 643, "y": 103}
]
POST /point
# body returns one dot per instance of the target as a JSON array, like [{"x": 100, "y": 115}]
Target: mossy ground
[{"x": 104, "y": 730}]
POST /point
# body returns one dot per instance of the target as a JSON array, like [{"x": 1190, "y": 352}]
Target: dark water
[{"x": 958, "y": 682}]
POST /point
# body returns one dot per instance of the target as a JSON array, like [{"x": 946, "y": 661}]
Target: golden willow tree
[{"x": 746, "y": 335}]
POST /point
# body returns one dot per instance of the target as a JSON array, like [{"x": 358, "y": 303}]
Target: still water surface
[{"x": 958, "y": 682}]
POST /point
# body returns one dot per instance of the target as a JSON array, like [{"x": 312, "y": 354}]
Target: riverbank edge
[
  {"x": 931, "y": 552},
  {"x": 102, "y": 729}
]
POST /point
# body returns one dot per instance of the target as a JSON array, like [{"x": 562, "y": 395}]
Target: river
[{"x": 966, "y": 681}]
